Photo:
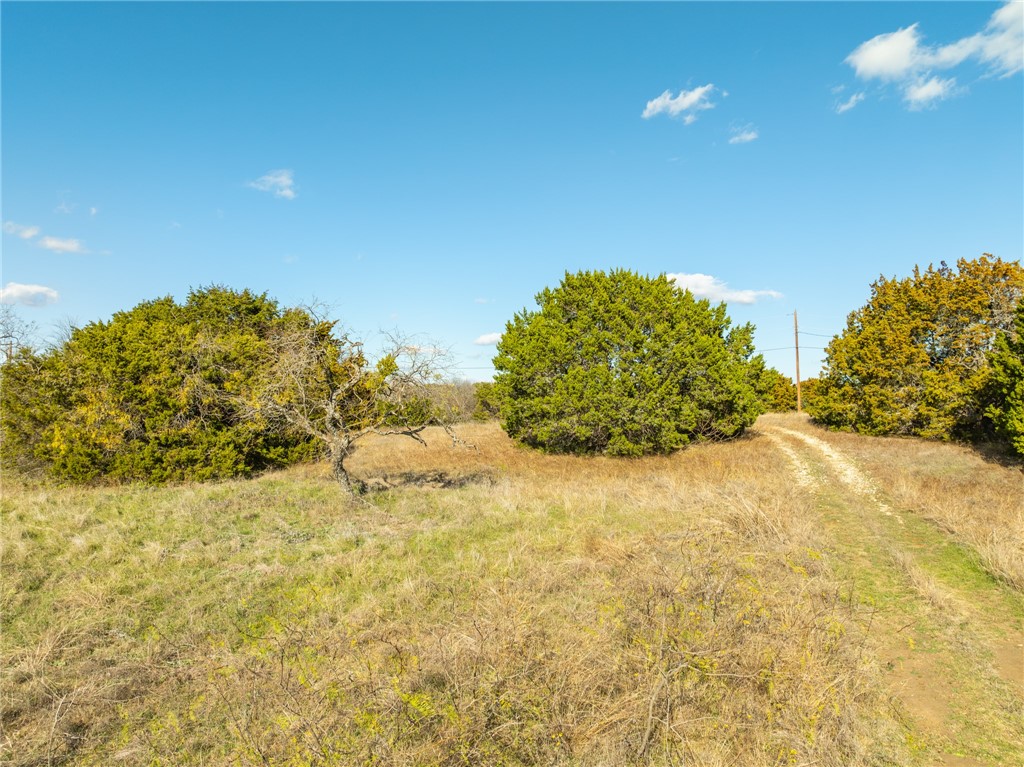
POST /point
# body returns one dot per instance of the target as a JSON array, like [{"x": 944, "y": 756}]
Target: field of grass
[{"x": 494, "y": 606}]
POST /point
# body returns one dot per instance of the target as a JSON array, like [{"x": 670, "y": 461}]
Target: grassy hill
[{"x": 765, "y": 601}]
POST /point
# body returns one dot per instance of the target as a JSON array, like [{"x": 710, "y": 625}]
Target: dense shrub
[
  {"x": 914, "y": 359},
  {"x": 487, "y": 407},
  {"x": 809, "y": 392},
  {"x": 150, "y": 395},
  {"x": 624, "y": 364},
  {"x": 776, "y": 391},
  {"x": 1006, "y": 391}
]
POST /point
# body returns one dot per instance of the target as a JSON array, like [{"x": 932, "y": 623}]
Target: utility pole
[{"x": 796, "y": 342}]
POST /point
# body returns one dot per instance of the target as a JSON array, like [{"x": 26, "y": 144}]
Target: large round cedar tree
[{"x": 624, "y": 364}]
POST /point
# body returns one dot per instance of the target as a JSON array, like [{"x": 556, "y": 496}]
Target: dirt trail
[{"x": 953, "y": 652}]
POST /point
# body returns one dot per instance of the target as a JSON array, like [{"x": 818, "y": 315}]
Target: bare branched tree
[
  {"x": 318, "y": 381},
  {"x": 15, "y": 332}
]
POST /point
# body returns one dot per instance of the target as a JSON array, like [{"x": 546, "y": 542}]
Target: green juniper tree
[
  {"x": 624, "y": 364},
  {"x": 227, "y": 384},
  {"x": 148, "y": 395},
  {"x": 1007, "y": 384},
  {"x": 777, "y": 391}
]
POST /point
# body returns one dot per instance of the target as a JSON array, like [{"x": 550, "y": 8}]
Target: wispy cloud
[
  {"x": 488, "y": 339},
  {"x": 54, "y": 244},
  {"x": 279, "y": 182},
  {"x": 686, "y": 104},
  {"x": 27, "y": 295},
  {"x": 712, "y": 288},
  {"x": 743, "y": 135},
  {"x": 65, "y": 205},
  {"x": 850, "y": 103},
  {"x": 901, "y": 57},
  {"x": 20, "y": 230},
  {"x": 924, "y": 93},
  {"x": 58, "y": 245},
  {"x": 481, "y": 300},
  {"x": 93, "y": 211}
]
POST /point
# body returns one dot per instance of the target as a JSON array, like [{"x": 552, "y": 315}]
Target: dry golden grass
[
  {"x": 980, "y": 502},
  {"x": 552, "y": 610}
]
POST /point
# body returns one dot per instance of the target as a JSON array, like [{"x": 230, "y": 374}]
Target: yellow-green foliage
[
  {"x": 150, "y": 395},
  {"x": 913, "y": 359},
  {"x": 777, "y": 391}
]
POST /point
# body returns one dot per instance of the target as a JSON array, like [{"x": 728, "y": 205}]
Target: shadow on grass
[
  {"x": 997, "y": 453},
  {"x": 431, "y": 479}
]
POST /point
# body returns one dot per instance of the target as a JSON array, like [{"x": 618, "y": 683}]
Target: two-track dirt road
[{"x": 949, "y": 634}]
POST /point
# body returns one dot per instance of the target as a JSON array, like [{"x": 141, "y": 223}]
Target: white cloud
[
  {"x": 58, "y": 245},
  {"x": 925, "y": 93},
  {"x": 280, "y": 182},
  {"x": 27, "y": 295},
  {"x": 712, "y": 288},
  {"x": 488, "y": 339},
  {"x": 19, "y": 230},
  {"x": 888, "y": 57},
  {"x": 1002, "y": 43},
  {"x": 903, "y": 58},
  {"x": 93, "y": 211},
  {"x": 850, "y": 103},
  {"x": 687, "y": 103},
  {"x": 481, "y": 301},
  {"x": 743, "y": 135}
]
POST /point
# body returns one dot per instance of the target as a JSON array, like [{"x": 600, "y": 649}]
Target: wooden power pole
[{"x": 796, "y": 344}]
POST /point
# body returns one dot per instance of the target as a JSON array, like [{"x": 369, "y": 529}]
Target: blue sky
[{"x": 431, "y": 167}]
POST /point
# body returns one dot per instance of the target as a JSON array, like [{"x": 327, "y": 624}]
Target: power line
[
  {"x": 756, "y": 351},
  {"x": 789, "y": 348}
]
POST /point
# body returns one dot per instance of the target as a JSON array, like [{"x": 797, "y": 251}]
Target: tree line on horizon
[{"x": 230, "y": 383}]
